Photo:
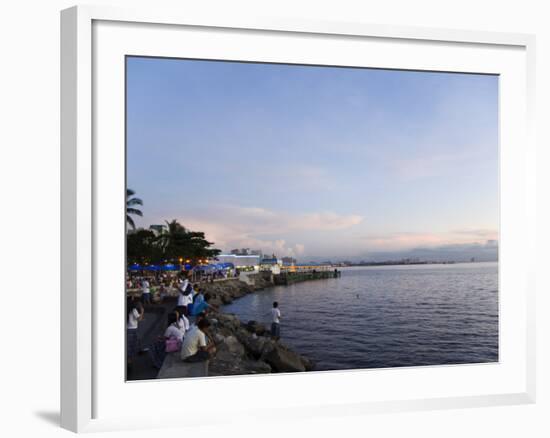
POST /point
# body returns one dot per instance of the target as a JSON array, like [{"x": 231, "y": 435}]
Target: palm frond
[
  {"x": 134, "y": 211},
  {"x": 130, "y": 222}
]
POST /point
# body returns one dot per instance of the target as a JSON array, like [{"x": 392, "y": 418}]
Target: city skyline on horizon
[{"x": 310, "y": 161}]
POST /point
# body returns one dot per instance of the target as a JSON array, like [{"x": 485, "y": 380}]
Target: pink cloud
[
  {"x": 232, "y": 227},
  {"x": 405, "y": 240}
]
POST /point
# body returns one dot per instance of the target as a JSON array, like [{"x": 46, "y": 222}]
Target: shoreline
[
  {"x": 246, "y": 347},
  {"x": 243, "y": 347}
]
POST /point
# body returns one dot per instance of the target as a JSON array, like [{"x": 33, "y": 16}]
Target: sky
[{"x": 315, "y": 162}]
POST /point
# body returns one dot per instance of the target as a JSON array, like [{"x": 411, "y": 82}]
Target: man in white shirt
[
  {"x": 146, "y": 291},
  {"x": 275, "y": 321},
  {"x": 184, "y": 298},
  {"x": 195, "y": 347}
]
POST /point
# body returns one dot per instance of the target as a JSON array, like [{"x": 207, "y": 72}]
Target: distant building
[
  {"x": 240, "y": 261},
  {"x": 271, "y": 263},
  {"x": 246, "y": 251},
  {"x": 158, "y": 229},
  {"x": 288, "y": 261}
]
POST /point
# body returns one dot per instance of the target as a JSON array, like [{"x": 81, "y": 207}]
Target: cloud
[
  {"x": 481, "y": 233},
  {"x": 480, "y": 251},
  {"x": 408, "y": 240},
  {"x": 259, "y": 228}
]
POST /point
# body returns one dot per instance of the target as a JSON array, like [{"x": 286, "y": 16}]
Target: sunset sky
[{"x": 315, "y": 162}]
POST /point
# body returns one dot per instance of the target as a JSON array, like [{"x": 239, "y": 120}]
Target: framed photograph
[{"x": 340, "y": 215}]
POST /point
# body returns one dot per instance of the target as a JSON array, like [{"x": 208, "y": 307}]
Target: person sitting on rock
[
  {"x": 173, "y": 329},
  {"x": 203, "y": 306},
  {"x": 199, "y": 297},
  {"x": 195, "y": 346},
  {"x": 182, "y": 321}
]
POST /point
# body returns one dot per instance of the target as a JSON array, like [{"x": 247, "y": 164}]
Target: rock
[
  {"x": 234, "y": 346},
  {"x": 283, "y": 360},
  {"x": 242, "y": 335},
  {"x": 256, "y": 367},
  {"x": 229, "y": 350},
  {"x": 229, "y": 321},
  {"x": 218, "y": 338},
  {"x": 226, "y": 368},
  {"x": 308, "y": 364},
  {"x": 255, "y": 327},
  {"x": 255, "y": 346},
  {"x": 226, "y": 300}
]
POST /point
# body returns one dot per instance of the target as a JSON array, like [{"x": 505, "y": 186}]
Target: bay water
[{"x": 387, "y": 316}]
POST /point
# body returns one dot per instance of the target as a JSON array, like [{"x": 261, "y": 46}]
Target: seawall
[{"x": 242, "y": 347}]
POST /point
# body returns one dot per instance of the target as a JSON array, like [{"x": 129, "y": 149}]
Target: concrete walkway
[
  {"x": 173, "y": 368},
  {"x": 149, "y": 328}
]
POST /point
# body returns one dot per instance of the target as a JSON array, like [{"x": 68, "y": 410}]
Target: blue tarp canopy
[
  {"x": 214, "y": 267},
  {"x": 167, "y": 267},
  {"x": 172, "y": 267},
  {"x": 204, "y": 268}
]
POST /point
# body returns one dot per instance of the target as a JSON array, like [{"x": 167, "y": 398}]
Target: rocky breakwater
[
  {"x": 225, "y": 291},
  {"x": 241, "y": 347},
  {"x": 247, "y": 348}
]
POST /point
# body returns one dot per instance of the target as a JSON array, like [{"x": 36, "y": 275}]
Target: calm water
[{"x": 388, "y": 316}]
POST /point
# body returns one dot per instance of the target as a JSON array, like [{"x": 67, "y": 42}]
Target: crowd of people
[
  {"x": 191, "y": 339},
  {"x": 187, "y": 323},
  {"x": 155, "y": 287}
]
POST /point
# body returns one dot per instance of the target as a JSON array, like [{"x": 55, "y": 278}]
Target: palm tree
[
  {"x": 178, "y": 241},
  {"x": 130, "y": 209}
]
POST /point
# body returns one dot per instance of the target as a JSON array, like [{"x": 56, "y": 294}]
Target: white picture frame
[{"x": 92, "y": 397}]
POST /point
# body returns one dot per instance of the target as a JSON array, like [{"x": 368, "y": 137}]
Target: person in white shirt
[
  {"x": 183, "y": 322},
  {"x": 185, "y": 296},
  {"x": 135, "y": 314},
  {"x": 173, "y": 329},
  {"x": 195, "y": 347},
  {"x": 275, "y": 321},
  {"x": 146, "y": 291}
]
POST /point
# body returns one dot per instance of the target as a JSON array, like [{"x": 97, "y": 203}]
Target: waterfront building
[
  {"x": 288, "y": 261},
  {"x": 246, "y": 251},
  {"x": 272, "y": 264},
  {"x": 241, "y": 261},
  {"x": 158, "y": 229}
]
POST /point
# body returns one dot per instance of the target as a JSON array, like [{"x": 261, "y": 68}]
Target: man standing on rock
[{"x": 275, "y": 321}]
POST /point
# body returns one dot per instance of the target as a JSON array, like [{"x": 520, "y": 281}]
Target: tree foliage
[
  {"x": 173, "y": 244},
  {"x": 131, "y": 203},
  {"x": 141, "y": 247}
]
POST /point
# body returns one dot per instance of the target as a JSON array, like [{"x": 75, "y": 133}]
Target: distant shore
[{"x": 407, "y": 263}]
